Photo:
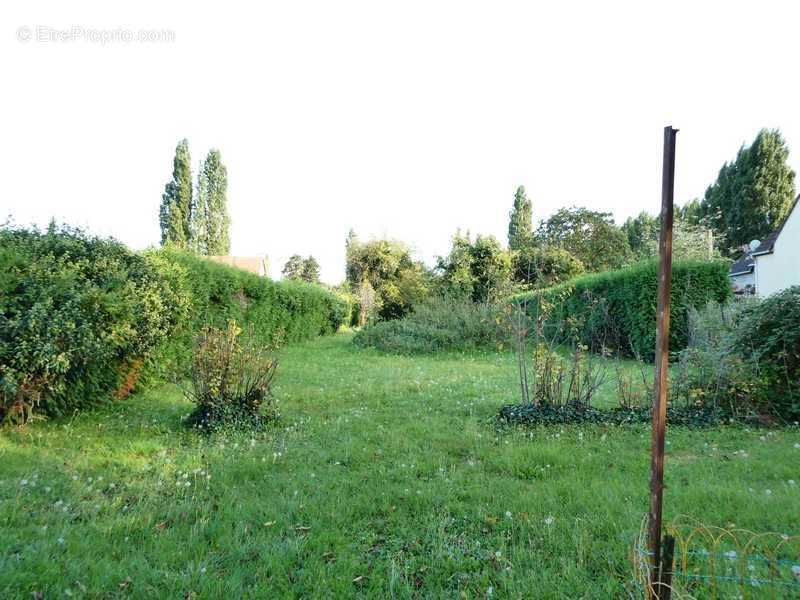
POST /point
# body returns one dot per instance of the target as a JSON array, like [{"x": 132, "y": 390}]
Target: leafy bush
[
  {"x": 710, "y": 372},
  {"x": 437, "y": 324},
  {"x": 219, "y": 293},
  {"x": 617, "y": 309},
  {"x": 231, "y": 379},
  {"x": 78, "y": 315},
  {"x": 581, "y": 414},
  {"x": 480, "y": 270},
  {"x": 540, "y": 267},
  {"x": 768, "y": 335}
]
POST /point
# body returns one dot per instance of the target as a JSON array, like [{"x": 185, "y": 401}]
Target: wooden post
[
  {"x": 662, "y": 355},
  {"x": 664, "y": 589}
]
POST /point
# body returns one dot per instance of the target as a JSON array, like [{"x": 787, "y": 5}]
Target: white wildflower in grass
[
  {"x": 768, "y": 492},
  {"x": 23, "y": 482},
  {"x": 490, "y": 591},
  {"x": 508, "y": 514},
  {"x": 202, "y": 569},
  {"x": 549, "y": 520},
  {"x": 48, "y": 489},
  {"x": 498, "y": 554},
  {"x": 797, "y": 446},
  {"x": 730, "y": 554},
  {"x": 60, "y": 540},
  {"x": 796, "y": 571}
]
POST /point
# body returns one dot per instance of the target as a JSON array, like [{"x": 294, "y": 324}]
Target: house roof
[
  {"x": 743, "y": 266},
  {"x": 768, "y": 245},
  {"x": 254, "y": 264}
]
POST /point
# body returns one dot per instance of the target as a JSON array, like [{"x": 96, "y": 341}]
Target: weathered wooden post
[{"x": 661, "y": 363}]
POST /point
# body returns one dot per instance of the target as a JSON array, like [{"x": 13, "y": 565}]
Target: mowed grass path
[{"x": 385, "y": 478}]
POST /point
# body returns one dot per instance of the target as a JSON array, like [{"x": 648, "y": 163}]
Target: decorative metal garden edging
[{"x": 718, "y": 562}]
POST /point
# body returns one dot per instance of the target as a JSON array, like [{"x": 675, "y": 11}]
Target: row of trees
[
  {"x": 196, "y": 218},
  {"x": 750, "y": 198}
]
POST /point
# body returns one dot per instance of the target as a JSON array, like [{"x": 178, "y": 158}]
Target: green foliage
[
  {"x": 539, "y": 267},
  {"x": 689, "y": 242},
  {"x": 231, "y": 380},
  {"x": 530, "y": 415},
  {"x": 397, "y": 280},
  {"x": 310, "y": 271},
  {"x": 176, "y": 210},
  {"x": 78, "y": 315},
  {"x": 617, "y": 309},
  {"x": 590, "y": 236},
  {"x": 211, "y": 222},
  {"x": 520, "y": 222},
  {"x": 438, "y": 324},
  {"x": 710, "y": 372},
  {"x": 219, "y": 293},
  {"x": 301, "y": 269},
  {"x": 752, "y": 195},
  {"x": 293, "y": 269},
  {"x": 691, "y": 212},
  {"x": 479, "y": 270},
  {"x": 639, "y": 231},
  {"x": 768, "y": 335}
]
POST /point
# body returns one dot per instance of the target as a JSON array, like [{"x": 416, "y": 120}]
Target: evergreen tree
[
  {"x": 212, "y": 223},
  {"x": 520, "y": 224},
  {"x": 752, "y": 195},
  {"x": 310, "y": 271},
  {"x": 175, "y": 213},
  {"x": 293, "y": 269}
]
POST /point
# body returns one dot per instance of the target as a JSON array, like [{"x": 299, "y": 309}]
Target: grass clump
[{"x": 231, "y": 380}]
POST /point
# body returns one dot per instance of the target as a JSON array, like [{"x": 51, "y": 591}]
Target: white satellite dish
[{"x": 753, "y": 245}]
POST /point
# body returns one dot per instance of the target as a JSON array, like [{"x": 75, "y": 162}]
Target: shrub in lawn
[
  {"x": 231, "y": 379},
  {"x": 78, "y": 315},
  {"x": 437, "y": 324},
  {"x": 580, "y": 414},
  {"x": 617, "y": 309},
  {"x": 710, "y": 371},
  {"x": 768, "y": 336}
]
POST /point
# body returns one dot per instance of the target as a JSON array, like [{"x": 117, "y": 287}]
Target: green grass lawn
[{"x": 385, "y": 477}]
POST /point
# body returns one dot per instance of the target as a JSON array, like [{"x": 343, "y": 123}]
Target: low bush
[
  {"x": 768, "y": 337},
  {"x": 709, "y": 372},
  {"x": 616, "y": 310},
  {"x": 437, "y": 324},
  {"x": 231, "y": 380},
  {"x": 581, "y": 414},
  {"x": 78, "y": 315}
]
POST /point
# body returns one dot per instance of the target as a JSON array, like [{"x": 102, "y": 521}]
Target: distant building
[
  {"x": 254, "y": 264},
  {"x": 774, "y": 264}
]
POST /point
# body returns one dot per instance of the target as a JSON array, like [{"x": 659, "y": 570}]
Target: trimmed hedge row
[
  {"x": 218, "y": 293},
  {"x": 617, "y": 309},
  {"x": 82, "y": 318}
]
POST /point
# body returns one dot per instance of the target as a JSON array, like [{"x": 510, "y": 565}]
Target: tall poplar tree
[
  {"x": 212, "y": 223},
  {"x": 175, "y": 213},
  {"x": 520, "y": 224},
  {"x": 753, "y": 194}
]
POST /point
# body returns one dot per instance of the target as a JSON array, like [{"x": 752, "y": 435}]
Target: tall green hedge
[
  {"x": 218, "y": 293},
  {"x": 82, "y": 318},
  {"x": 617, "y": 309}
]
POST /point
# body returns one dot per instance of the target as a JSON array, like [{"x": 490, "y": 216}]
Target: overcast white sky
[{"x": 406, "y": 119}]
